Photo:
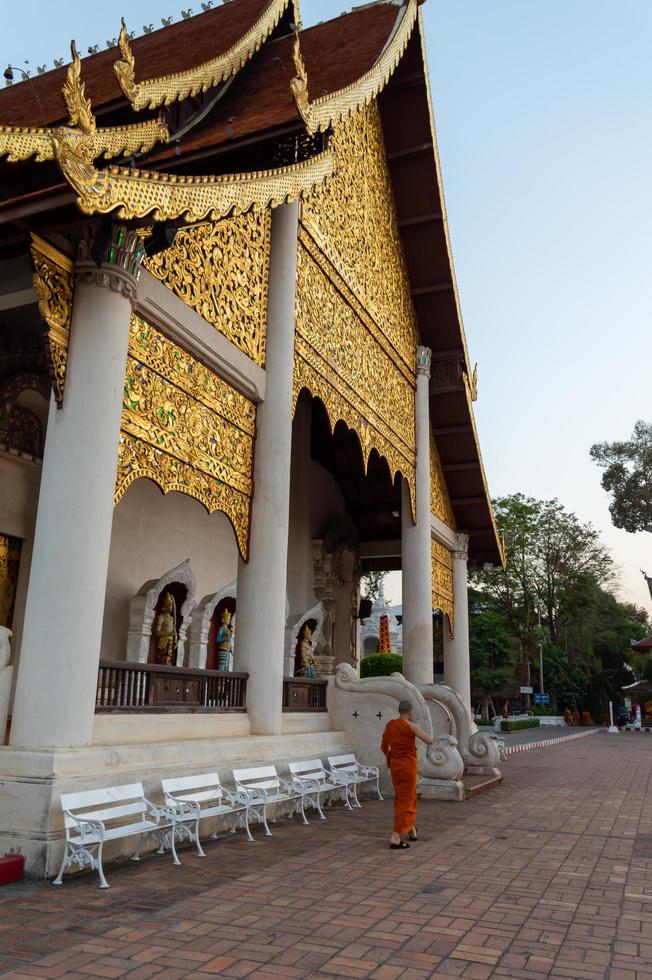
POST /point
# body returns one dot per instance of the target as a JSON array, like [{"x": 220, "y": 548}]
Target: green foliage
[
  {"x": 371, "y": 583},
  {"x": 518, "y": 724},
  {"x": 381, "y": 665},
  {"x": 553, "y": 599},
  {"x": 628, "y": 478}
]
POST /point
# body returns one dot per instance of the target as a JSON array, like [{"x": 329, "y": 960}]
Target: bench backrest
[
  {"x": 200, "y": 788},
  {"x": 111, "y": 804},
  {"x": 312, "y": 769},
  {"x": 343, "y": 763},
  {"x": 263, "y": 777}
]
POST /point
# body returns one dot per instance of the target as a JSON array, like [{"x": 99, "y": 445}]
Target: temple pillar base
[
  {"x": 451, "y": 790},
  {"x": 483, "y": 771}
]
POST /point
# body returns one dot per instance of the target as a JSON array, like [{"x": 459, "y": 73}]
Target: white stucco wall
[{"x": 151, "y": 534}]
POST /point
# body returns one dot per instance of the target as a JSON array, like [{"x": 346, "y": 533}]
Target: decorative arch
[
  {"x": 442, "y": 582},
  {"x": 142, "y": 608},
  {"x": 20, "y": 428},
  {"x": 186, "y": 429},
  {"x": 316, "y": 615}
]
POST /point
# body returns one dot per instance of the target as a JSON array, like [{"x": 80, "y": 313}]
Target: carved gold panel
[
  {"x": 442, "y": 580},
  {"x": 220, "y": 269},
  {"x": 440, "y": 503},
  {"x": 54, "y": 285},
  {"x": 185, "y": 429},
  {"x": 356, "y": 334}
]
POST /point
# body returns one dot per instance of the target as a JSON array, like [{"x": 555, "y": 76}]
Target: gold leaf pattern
[
  {"x": 356, "y": 333},
  {"x": 185, "y": 429},
  {"x": 54, "y": 284},
  {"x": 221, "y": 271},
  {"x": 440, "y": 502},
  {"x": 442, "y": 581}
]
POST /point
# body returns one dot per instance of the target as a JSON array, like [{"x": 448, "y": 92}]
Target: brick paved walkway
[{"x": 549, "y": 875}]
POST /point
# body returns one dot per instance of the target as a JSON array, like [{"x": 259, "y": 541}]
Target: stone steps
[{"x": 476, "y": 785}]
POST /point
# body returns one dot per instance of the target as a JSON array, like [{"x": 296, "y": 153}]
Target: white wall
[{"x": 151, "y": 534}]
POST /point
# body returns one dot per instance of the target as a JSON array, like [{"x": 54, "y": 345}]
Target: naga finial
[
  {"x": 80, "y": 112},
  {"x": 125, "y": 69},
  {"x": 299, "y": 84}
]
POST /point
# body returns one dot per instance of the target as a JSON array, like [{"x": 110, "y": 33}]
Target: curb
[{"x": 528, "y": 746}]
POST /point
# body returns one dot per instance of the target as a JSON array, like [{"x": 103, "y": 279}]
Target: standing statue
[
  {"x": 165, "y": 630},
  {"x": 6, "y": 673},
  {"x": 224, "y": 642},
  {"x": 307, "y": 668}
]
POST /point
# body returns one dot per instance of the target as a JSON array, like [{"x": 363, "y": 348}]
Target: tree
[
  {"x": 371, "y": 583},
  {"x": 628, "y": 478},
  {"x": 492, "y": 648}
]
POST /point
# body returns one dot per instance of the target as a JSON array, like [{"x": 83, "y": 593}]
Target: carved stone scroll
[{"x": 54, "y": 284}]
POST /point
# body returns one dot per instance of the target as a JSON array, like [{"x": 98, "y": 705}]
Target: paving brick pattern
[{"x": 550, "y": 875}]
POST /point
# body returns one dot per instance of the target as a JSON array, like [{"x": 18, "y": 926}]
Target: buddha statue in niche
[
  {"x": 165, "y": 630},
  {"x": 307, "y": 668}
]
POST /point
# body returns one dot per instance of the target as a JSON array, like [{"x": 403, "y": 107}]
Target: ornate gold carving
[
  {"x": 9, "y": 564},
  {"x": 21, "y": 143},
  {"x": 440, "y": 503},
  {"x": 221, "y": 271},
  {"x": 442, "y": 581},
  {"x": 54, "y": 284},
  {"x": 352, "y": 220},
  {"x": 140, "y": 193},
  {"x": 166, "y": 89},
  {"x": 185, "y": 429},
  {"x": 356, "y": 334},
  {"x": 328, "y": 109}
]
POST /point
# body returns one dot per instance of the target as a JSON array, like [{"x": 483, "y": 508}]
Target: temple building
[{"x": 234, "y": 378}]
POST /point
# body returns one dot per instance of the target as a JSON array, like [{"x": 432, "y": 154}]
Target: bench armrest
[
  {"x": 160, "y": 812},
  {"x": 86, "y": 827},
  {"x": 342, "y": 778},
  {"x": 286, "y": 787},
  {"x": 184, "y": 807},
  {"x": 239, "y": 798},
  {"x": 368, "y": 770},
  {"x": 306, "y": 784},
  {"x": 253, "y": 794}
]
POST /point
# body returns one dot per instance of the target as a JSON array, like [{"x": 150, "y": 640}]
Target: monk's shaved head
[{"x": 404, "y": 707}]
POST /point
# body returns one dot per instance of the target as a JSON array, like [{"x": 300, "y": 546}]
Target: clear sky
[{"x": 544, "y": 111}]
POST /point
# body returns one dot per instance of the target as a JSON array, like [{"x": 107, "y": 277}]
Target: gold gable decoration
[
  {"x": 356, "y": 335},
  {"x": 326, "y": 110},
  {"x": 54, "y": 285},
  {"x": 440, "y": 503},
  {"x": 442, "y": 581},
  {"x": 221, "y": 270},
  {"x": 154, "y": 92},
  {"x": 185, "y": 429},
  {"x": 22, "y": 143}
]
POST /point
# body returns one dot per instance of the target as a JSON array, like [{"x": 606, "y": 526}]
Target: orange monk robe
[{"x": 400, "y": 750}]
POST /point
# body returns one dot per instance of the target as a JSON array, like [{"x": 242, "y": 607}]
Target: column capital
[
  {"x": 461, "y": 552},
  {"x": 112, "y": 259},
  {"x": 424, "y": 355}
]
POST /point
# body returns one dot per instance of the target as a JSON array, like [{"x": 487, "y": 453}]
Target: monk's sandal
[{"x": 401, "y": 846}]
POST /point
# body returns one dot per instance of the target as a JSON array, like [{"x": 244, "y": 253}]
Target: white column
[
  {"x": 457, "y": 665},
  {"x": 54, "y": 703},
  {"x": 417, "y": 560},
  {"x": 260, "y": 635}
]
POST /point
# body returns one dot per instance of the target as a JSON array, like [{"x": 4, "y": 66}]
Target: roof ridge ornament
[
  {"x": 319, "y": 115},
  {"x": 154, "y": 92},
  {"x": 134, "y": 193},
  {"x": 18, "y": 143}
]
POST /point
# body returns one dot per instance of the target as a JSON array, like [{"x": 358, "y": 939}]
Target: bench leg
[
  {"x": 319, "y": 809},
  {"x": 303, "y": 809},
  {"x": 268, "y": 832},
  {"x": 59, "y": 878},
  {"x": 100, "y": 870},
  {"x": 246, "y": 827},
  {"x": 136, "y": 856},
  {"x": 378, "y": 787},
  {"x": 345, "y": 797},
  {"x": 173, "y": 845},
  {"x": 200, "y": 850}
]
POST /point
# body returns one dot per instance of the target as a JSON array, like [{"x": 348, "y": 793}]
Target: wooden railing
[
  {"x": 304, "y": 694},
  {"x": 126, "y": 686}
]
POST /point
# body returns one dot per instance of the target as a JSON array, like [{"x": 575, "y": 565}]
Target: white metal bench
[
  {"x": 357, "y": 773},
  {"x": 95, "y": 816},
  {"x": 263, "y": 786},
  {"x": 311, "y": 779},
  {"x": 198, "y": 797}
]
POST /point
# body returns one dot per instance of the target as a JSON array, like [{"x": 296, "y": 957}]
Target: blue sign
[{"x": 542, "y": 699}]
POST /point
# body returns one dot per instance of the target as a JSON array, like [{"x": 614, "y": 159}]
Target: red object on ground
[{"x": 11, "y": 868}]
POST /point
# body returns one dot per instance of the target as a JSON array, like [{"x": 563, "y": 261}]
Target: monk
[{"x": 400, "y": 750}]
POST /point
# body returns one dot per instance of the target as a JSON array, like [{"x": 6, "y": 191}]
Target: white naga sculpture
[
  {"x": 362, "y": 708},
  {"x": 479, "y": 750},
  {"x": 143, "y": 606},
  {"x": 6, "y": 674}
]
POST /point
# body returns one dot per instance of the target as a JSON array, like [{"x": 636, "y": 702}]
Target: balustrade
[
  {"x": 129, "y": 686},
  {"x": 304, "y": 694}
]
